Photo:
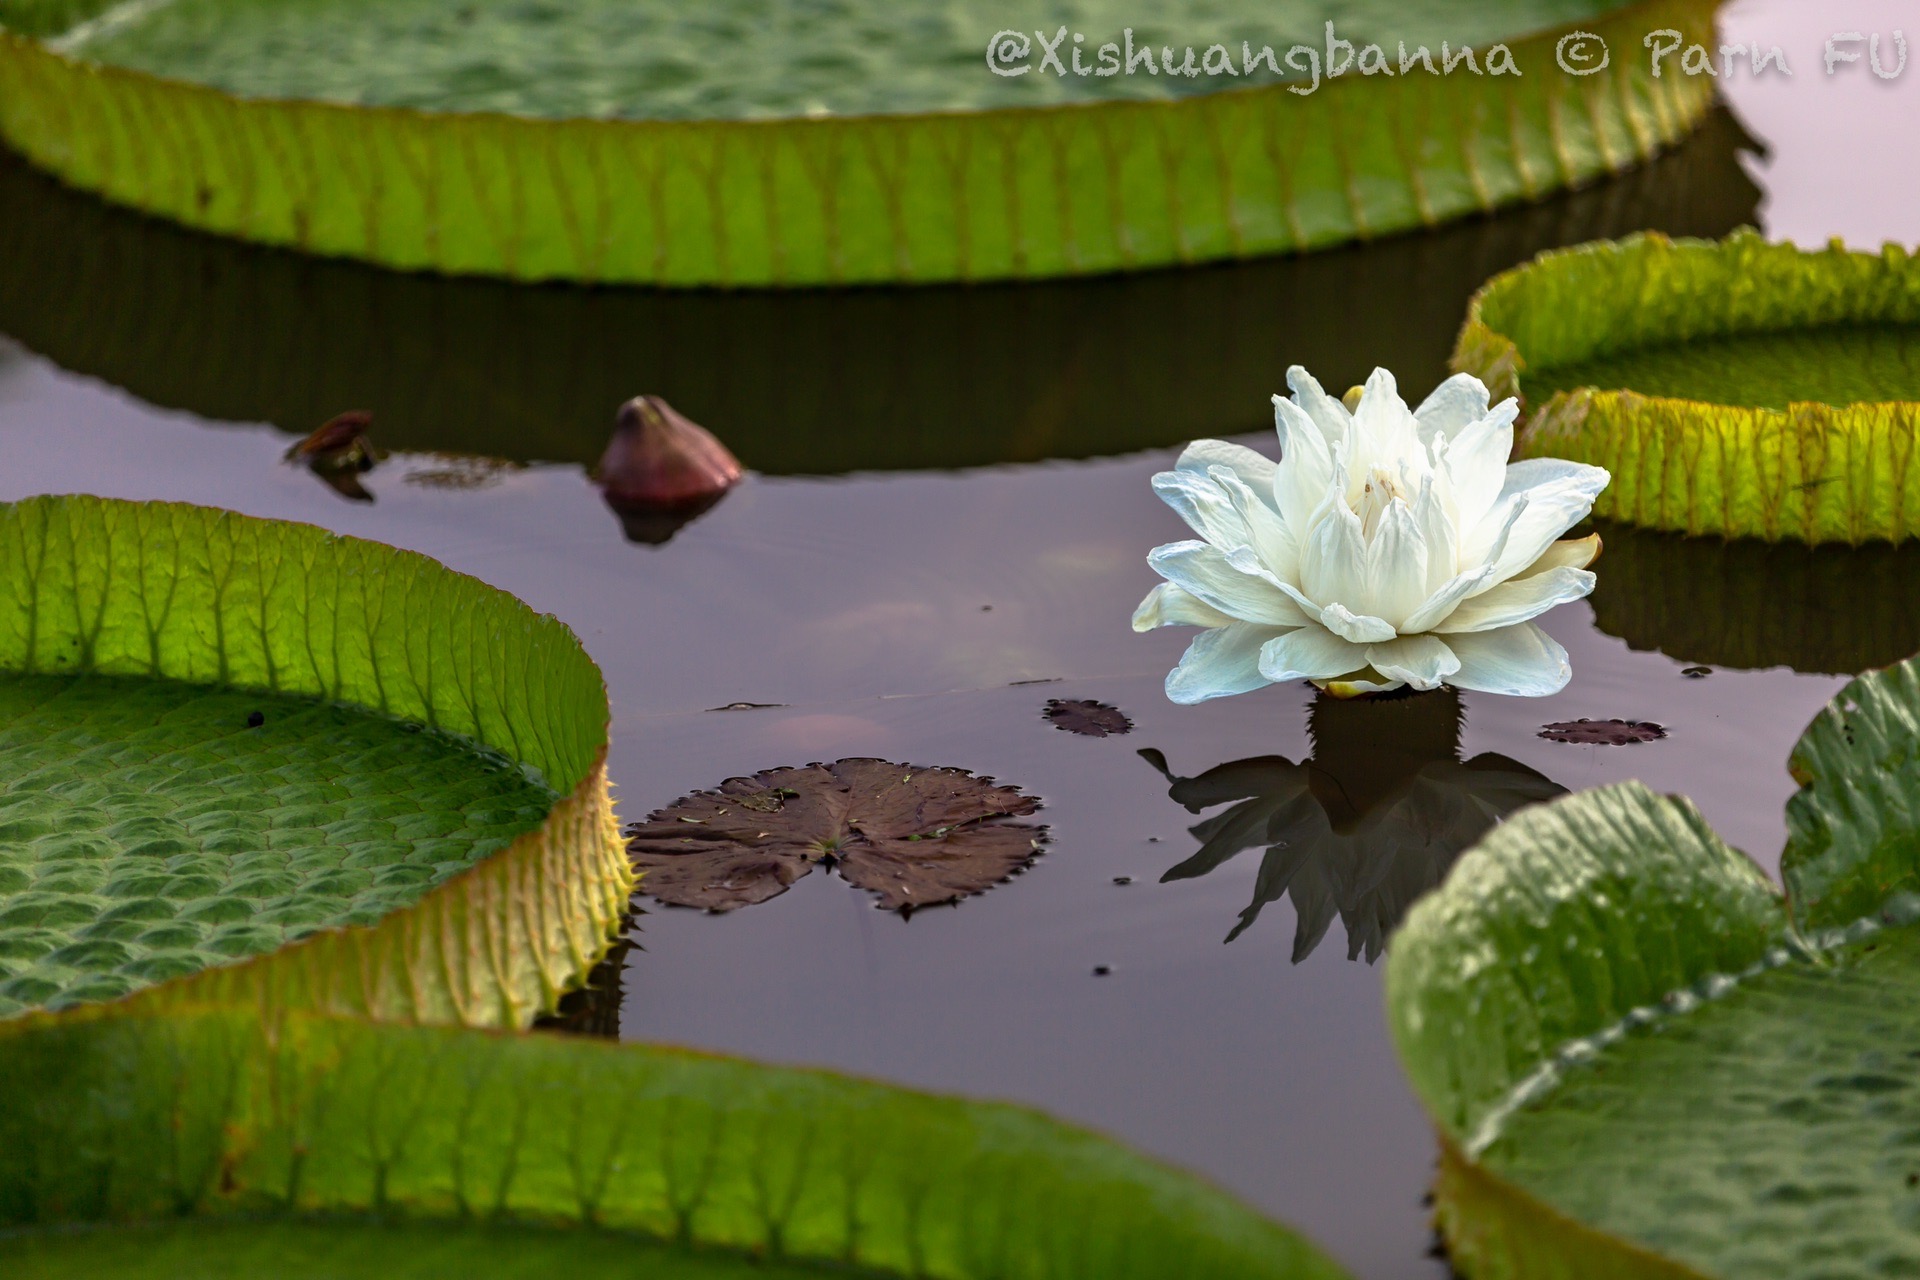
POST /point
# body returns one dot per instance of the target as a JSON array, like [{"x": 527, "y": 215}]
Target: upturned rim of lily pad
[
  {"x": 1583, "y": 924},
  {"x": 1812, "y": 472},
  {"x": 203, "y": 596},
  {"x": 904, "y": 198}
]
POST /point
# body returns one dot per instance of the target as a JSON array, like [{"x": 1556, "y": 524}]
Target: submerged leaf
[
  {"x": 1647, "y": 1063},
  {"x": 1088, "y": 719},
  {"x": 915, "y": 837},
  {"x": 459, "y": 471}
]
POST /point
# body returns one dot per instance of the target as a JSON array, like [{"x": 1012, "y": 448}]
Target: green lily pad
[
  {"x": 1746, "y": 604},
  {"x": 1838, "y": 366},
  {"x": 1644, "y": 1061},
  {"x": 1736, "y": 387},
  {"x": 814, "y": 381},
  {"x": 327, "y": 1146},
  {"x": 831, "y": 144},
  {"x": 149, "y": 830},
  {"x": 245, "y": 759}
]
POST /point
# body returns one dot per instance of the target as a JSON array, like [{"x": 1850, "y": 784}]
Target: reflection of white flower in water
[
  {"x": 1369, "y": 824},
  {"x": 1388, "y": 547}
]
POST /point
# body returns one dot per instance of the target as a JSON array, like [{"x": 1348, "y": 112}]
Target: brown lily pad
[
  {"x": 915, "y": 837},
  {"x": 1088, "y": 719},
  {"x": 1605, "y": 733}
]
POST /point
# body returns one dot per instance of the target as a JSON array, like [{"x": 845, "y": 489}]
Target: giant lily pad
[
  {"x": 1738, "y": 388},
  {"x": 490, "y": 138},
  {"x": 804, "y": 380},
  {"x": 1747, "y": 604},
  {"x": 379, "y": 783},
  {"x": 306, "y": 1145},
  {"x": 915, "y": 837},
  {"x": 1644, "y": 1061}
]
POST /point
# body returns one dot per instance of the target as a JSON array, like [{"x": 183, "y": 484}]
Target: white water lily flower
[{"x": 1388, "y": 547}]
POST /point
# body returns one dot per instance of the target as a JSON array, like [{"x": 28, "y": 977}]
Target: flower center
[{"x": 1377, "y": 493}]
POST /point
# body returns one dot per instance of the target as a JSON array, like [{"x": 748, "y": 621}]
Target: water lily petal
[
  {"x": 1361, "y": 628},
  {"x": 1531, "y": 473},
  {"x": 1254, "y": 469},
  {"x": 1306, "y": 465},
  {"x": 1521, "y": 660},
  {"x": 1310, "y": 653},
  {"x": 1205, "y": 506},
  {"x": 1421, "y": 661},
  {"x": 1170, "y": 606},
  {"x": 1476, "y": 462},
  {"x": 1385, "y": 433},
  {"x": 1518, "y": 600},
  {"x": 1396, "y": 566},
  {"x": 1326, "y": 412},
  {"x": 1437, "y": 532},
  {"x": 1558, "y": 496},
  {"x": 1245, "y": 561},
  {"x": 1464, "y": 585},
  {"x": 1569, "y": 553},
  {"x": 1203, "y": 571},
  {"x": 1460, "y": 400},
  {"x": 1271, "y": 539},
  {"x": 1333, "y": 561},
  {"x": 1219, "y": 664}
]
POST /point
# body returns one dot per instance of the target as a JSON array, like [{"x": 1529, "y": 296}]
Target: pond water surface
[{"x": 946, "y": 528}]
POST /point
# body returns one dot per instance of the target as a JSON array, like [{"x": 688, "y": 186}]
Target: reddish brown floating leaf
[
  {"x": 915, "y": 837},
  {"x": 1606, "y": 733},
  {"x": 1088, "y": 719}
]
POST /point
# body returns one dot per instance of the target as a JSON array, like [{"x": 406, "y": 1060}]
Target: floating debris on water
[
  {"x": 1604, "y": 733},
  {"x": 1088, "y": 719}
]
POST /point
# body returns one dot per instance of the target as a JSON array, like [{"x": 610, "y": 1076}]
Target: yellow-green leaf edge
[
  {"x": 1018, "y": 193},
  {"x": 195, "y": 594},
  {"x": 1813, "y": 472}
]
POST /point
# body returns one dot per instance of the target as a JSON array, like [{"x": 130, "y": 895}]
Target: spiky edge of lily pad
[
  {"x": 926, "y": 197},
  {"x": 169, "y": 591},
  {"x": 1812, "y": 472}
]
